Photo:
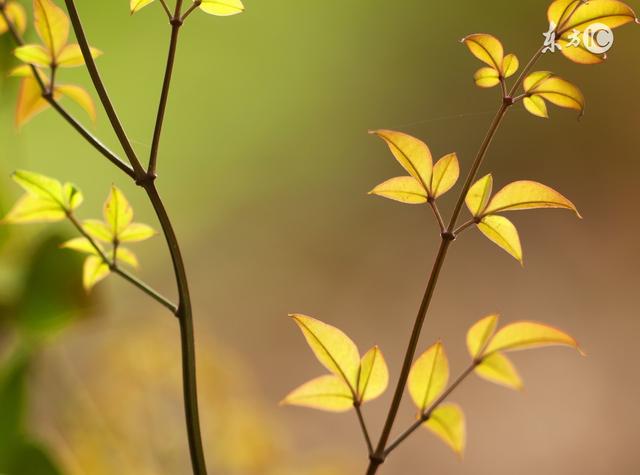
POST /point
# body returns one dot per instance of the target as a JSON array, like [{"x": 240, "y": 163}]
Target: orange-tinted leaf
[
  {"x": 30, "y": 101},
  {"x": 17, "y": 16}
]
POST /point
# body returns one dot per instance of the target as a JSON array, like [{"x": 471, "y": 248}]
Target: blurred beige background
[{"x": 265, "y": 165}]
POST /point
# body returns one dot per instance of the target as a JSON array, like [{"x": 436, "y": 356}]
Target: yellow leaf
[
  {"x": 118, "y": 213},
  {"x": 553, "y": 89},
  {"x": 136, "y": 232},
  {"x": 536, "y": 106},
  {"x": 80, "y": 244},
  {"x": 499, "y": 369},
  {"x": 429, "y": 376},
  {"x": 72, "y": 196},
  {"x": 445, "y": 174},
  {"x": 486, "y": 48},
  {"x": 411, "y": 153},
  {"x": 22, "y": 71},
  {"x": 30, "y": 101},
  {"x": 405, "y": 189},
  {"x": 71, "y": 56},
  {"x": 80, "y": 96},
  {"x": 40, "y": 185},
  {"x": 32, "y": 209},
  {"x": 327, "y": 393},
  {"x": 332, "y": 347},
  {"x": 222, "y": 7},
  {"x": 502, "y": 232},
  {"x": 479, "y": 194},
  {"x": 137, "y": 5},
  {"x": 51, "y": 24},
  {"x": 97, "y": 230},
  {"x": 510, "y": 65},
  {"x": 33, "y": 54},
  {"x": 524, "y": 335},
  {"x": 95, "y": 269},
  {"x": 527, "y": 194},
  {"x": 486, "y": 77},
  {"x": 127, "y": 256},
  {"x": 479, "y": 334},
  {"x": 575, "y": 14},
  {"x": 447, "y": 422},
  {"x": 373, "y": 377},
  {"x": 17, "y": 16}
]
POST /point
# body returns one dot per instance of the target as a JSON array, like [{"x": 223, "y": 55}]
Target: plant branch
[
  {"x": 436, "y": 212},
  {"x": 140, "y": 173},
  {"x": 464, "y": 226},
  {"x": 424, "y": 417},
  {"x": 358, "y": 407},
  {"x": 165, "y": 7},
  {"x": 190, "y": 10},
  {"x": 176, "y": 23}
]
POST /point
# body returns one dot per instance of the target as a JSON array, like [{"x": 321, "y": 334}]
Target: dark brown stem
[
  {"x": 176, "y": 23},
  {"x": 365, "y": 432},
  {"x": 102, "y": 92},
  {"x": 190, "y": 10},
  {"x": 436, "y": 213},
  {"x": 165, "y": 7}
]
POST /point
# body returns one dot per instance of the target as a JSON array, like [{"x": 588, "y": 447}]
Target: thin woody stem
[
  {"x": 436, "y": 212},
  {"x": 190, "y": 10},
  {"x": 365, "y": 432},
  {"x": 464, "y": 226},
  {"x": 165, "y": 7}
]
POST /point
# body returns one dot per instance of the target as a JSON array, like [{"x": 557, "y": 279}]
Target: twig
[
  {"x": 434, "y": 207},
  {"x": 365, "y": 432}
]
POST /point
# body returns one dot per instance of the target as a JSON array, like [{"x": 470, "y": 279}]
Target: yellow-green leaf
[
  {"x": 335, "y": 350},
  {"x": 80, "y": 96},
  {"x": 486, "y": 48},
  {"x": 405, "y": 189},
  {"x": 95, "y": 269},
  {"x": 71, "y": 56},
  {"x": 510, "y": 65},
  {"x": 556, "y": 90},
  {"x": 97, "y": 230},
  {"x": 575, "y": 14},
  {"x": 479, "y": 334},
  {"x": 17, "y": 16},
  {"x": 536, "y": 106},
  {"x": 524, "y": 335},
  {"x": 73, "y": 197},
  {"x": 374, "y": 375},
  {"x": 429, "y": 376},
  {"x": 24, "y": 70},
  {"x": 136, "y": 232},
  {"x": 32, "y": 209},
  {"x": 40, "y": 186},
  {"x": 499, "y": 369},
  {"x": 118, "y": 213},
  {"x": 527, "y": 194},
  {"x": 81, "y": 244},
  {"x": 445, "y": 174},
  {"x": 486, "y": 77},
  {"x": 327, "y": 393},
  {"x": 30, "y": 101},
  {"x": 33, "y": 54},
  {"x": 127, "y": 256},
  {"x": 52, "y": 25},
  {"x": 222, "y": 7},
  {"x": 137, "y": 5},
  {"x": 412, "y": 153},
  {"x": 447, "y": 422},
  {"x": 502, "y": 232},
  {"x": 479, "y": 194}
]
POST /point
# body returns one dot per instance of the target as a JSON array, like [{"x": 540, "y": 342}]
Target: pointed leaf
[
  {"x": 480, "y": 333},
  {"x": 80, "y": 244},
  {"x": 40, "y": 186},
  {"x": 479, "y": 194},
  {"x": 17, "y": 16},
  {"x": 524, "y": 335},
  {"x": 486, "y": 77},
  {"x": 80, "y": 96},
  {"x": 94, "y": 271},
  {"x": 137, "y": 5},
  {"x": 118, "y": 213},
  {"x": 32, "y": 209},
  {"x": 510, "y": 65},
  {"x": 578, "y": 15},
  {"x": 527, "y": 194},
  {"x": 502, "y": 232},
  {"x": 128, "y": 257},
  {"x": 405, "y": 189},
  {"x": 499, "y": 369},
  {"x": 71, "y": 56},
  {"x": 33, "y": 54},
  {"x": 486, "y": 48},
  {"x": 30, "y": 101},
  {"x": 411, "y": 153},
  {"x": 136, "y": 232},
  {"x": 73, "y": 197},
  {"x": 327, "y": 393},
  {"x": 97, "y": 230},
  {"x": 374, "y": 375},
  {"x": 447, "y": 422},
  {"x": 335, "y": 350},
  {"x": 51, "y": 24},
  {"x": 536, "y": 106},
  {"x": 222, "y": 7},
  {"x": 445, "y": 174},
  {"x": 555, "y": 90},
  {"x": 429, "y": 376}
]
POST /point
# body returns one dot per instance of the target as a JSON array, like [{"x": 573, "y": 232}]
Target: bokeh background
[{"x": 265, "y": 166}]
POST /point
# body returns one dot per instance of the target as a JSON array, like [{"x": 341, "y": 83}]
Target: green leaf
[
  {"x": 502, "y": 232},
  {"x": 30, "y": 209},
  {"x": 40, "y": 186},
  {"x": 327, "y": 393},
  {"x": 335, "y": 350},
  {"x": 429, "y": 376},
  {"x": 374, "y": 375},
  {"x": 97, "y": 230},
  {"x": 448, "y": 423}
]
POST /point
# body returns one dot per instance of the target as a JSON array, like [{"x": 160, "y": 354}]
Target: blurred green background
[{"x": 265, "y": 164}]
